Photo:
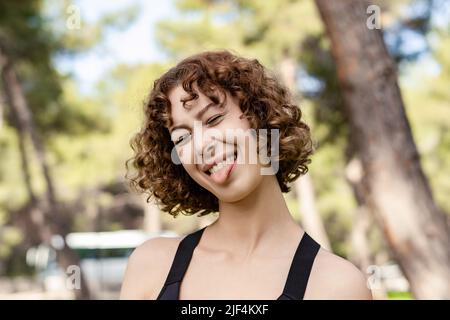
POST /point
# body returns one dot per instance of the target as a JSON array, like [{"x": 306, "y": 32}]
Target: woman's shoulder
[
  {"x": 148, "y": 267},
  {"x": 334, "y": 277}
]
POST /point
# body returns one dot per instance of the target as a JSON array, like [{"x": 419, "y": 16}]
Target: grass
[{"x": 398, "y": 295}]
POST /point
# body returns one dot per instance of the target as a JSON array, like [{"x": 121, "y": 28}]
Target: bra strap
[
  {"x": 300, "y": 269},
  {"x": 183, "y": 256}
]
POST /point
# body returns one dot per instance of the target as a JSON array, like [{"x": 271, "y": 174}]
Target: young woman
[{"x": 200, "y": 110}]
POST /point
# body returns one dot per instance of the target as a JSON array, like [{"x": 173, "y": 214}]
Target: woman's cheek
[
  {"x": 184, "y": 154},
  {"x": 189, "y": 169},
  {"x": 186, "y": 157},
  {"x": 193, "y": 172}
]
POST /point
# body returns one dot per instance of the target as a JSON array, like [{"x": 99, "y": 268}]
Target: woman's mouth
[{"x": 220, "y": 172}]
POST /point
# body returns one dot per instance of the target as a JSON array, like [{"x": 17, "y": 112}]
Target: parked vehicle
[{"x": 103, "y": 260}]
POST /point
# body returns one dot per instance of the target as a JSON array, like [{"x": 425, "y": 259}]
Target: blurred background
[{"x": 74, "y": 75}]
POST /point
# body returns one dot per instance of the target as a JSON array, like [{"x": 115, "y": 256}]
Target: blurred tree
[
  {"x": 395, "y": 187},
  {"x": 304, "y": 187},
  {"x": 32, "y": 90},
  {"x": 46, "y": 221},
  {"x": 367, "y": 245}
]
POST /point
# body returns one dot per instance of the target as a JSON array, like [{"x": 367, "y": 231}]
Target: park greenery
[{"x": 86, "y": 134}]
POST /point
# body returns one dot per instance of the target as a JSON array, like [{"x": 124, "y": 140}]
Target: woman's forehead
[
  {"x": 180, "y": 98},
  {"x": 182, "y": 101}
]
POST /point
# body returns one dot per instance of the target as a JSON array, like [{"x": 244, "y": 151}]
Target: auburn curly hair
[{"x": 263, "y": 100}]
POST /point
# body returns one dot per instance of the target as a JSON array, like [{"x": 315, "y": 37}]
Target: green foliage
[
  {"x": 250, "y": 28},
  {"x": 427, "y": 99},
  {"x": 9, "y": 237},
  {"x": 76, "y": 129},
  {"x": 87, "y": 137},
  {"x": 26, "y": 37},
  {"x": 396, "y": 295},
  {"x": 269, "y": 29}
]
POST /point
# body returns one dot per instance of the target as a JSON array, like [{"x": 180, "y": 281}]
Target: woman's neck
[{"x": 260, "y": 219}]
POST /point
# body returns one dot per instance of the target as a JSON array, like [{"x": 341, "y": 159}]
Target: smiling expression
[{"x": 200, "y": 129}]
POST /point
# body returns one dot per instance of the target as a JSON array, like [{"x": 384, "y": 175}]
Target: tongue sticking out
[{"x": 221, "y": 175}]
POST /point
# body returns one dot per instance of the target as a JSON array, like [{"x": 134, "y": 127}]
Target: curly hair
[{"x": 263, "y": 100}]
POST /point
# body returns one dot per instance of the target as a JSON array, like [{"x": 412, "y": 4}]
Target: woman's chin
[
  {"x": 242, "y": 183},
  {"x": 235, "y": 193}
]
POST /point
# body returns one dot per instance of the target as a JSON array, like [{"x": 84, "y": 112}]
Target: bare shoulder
[
  {"x": 335, "y": 278},
  {"x": 148, "y": 267}
]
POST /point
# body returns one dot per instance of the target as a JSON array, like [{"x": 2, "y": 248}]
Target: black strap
[
  {"x": 296, "y": 282},
  {"x": 183, "y": 256},
  {"x": 300, "y": 269},
  {"x": 170, "y": 292}
]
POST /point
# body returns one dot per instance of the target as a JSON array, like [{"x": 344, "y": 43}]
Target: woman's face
[{"x": 214, "y": 144}]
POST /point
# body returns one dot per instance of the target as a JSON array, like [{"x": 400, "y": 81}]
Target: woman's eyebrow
[
  {"x": 198, "y": 116},
  {"x": 202, "y": 112}
]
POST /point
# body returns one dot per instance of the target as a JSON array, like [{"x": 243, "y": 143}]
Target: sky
[
  {"x": 133, "y": 45},
  {"x": 137, "y": 43}
]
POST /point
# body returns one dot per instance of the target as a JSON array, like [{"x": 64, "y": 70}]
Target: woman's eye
[
  {"x": 181, "y": 139},
  {"x": 213, "y": 119}
]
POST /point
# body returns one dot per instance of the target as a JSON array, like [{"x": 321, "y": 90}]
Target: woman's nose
[{"x": 205, "y": 142}]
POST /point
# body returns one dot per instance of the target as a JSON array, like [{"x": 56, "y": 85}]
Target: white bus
[{"x": 103, "y": 260}]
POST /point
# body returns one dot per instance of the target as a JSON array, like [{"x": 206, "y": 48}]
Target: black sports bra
[{"x": 296, "y": 282}]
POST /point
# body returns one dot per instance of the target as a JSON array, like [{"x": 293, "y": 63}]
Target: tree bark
[
  {"x": 2, "y": 111},
  {"x": 51, "y": 222},
  {"x": 304, "y": 187},
  {"x": 396, "y": 189},
  {"x": 23, "y": 117}
]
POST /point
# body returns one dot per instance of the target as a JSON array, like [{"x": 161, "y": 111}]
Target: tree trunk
[
  {"x": 51, "y": 222},
  {"x": 396, "y": 189},
  {"x": 304, "y": 187},
  {"x": 2, "y": 108},
  {"x": 311, "y": 219},
  {"x": 25, "y": 162},
  {"x": 152, "y": 217},
  {"x": 23, "y": 117},
  {"x": 361, "y": 253}
]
